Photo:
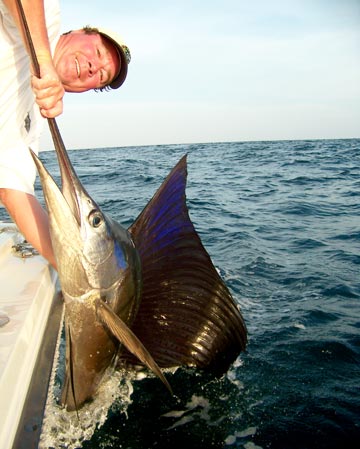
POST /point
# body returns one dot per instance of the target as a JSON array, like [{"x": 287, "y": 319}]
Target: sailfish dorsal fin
[{"x": 187, "y": 315}]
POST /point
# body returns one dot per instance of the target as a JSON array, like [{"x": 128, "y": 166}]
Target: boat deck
[{"x": 28, "y": 287}]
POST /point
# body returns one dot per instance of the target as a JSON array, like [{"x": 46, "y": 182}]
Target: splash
[
  {"x": 63, "y": 429},
  {"x": 68, "y": 430},
  {"x": 232, "y": 374},
  {"x": 249, "y": 432},
  {"x": 197, "y": 407}
]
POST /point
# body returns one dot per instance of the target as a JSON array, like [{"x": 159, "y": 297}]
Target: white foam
[
  {"x": 251, "y": 445},
  {"x": 232, "y": 374},
  {"x": 249, "y": 432},
  {"x": 62, "y": 429},
  {"x": 197, "y": 407}
]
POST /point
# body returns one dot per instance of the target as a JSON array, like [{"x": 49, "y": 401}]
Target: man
[{"x": 74, "y": 62}]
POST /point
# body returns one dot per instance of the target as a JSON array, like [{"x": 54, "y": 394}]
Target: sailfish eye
[{"x": 95, "y": 219}]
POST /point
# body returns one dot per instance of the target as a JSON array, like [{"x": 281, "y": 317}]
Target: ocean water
[{"x": 281, "y": 221}]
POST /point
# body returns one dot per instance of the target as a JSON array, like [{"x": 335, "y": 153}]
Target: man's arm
[{"x": 48, "y": 89}]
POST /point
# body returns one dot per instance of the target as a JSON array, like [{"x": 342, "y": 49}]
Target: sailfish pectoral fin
[{"x": 125, "y": 335}]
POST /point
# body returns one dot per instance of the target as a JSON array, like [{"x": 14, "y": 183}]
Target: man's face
[{"x": 85, "y": 61}]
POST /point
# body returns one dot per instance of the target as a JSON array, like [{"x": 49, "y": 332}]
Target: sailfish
[{"x": 148, "y": 294}]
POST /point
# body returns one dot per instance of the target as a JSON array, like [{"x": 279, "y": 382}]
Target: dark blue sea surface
[{"x": 281, "y": 221}]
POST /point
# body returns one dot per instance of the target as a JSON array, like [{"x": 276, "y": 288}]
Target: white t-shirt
[{"x": 20, "y": 120}]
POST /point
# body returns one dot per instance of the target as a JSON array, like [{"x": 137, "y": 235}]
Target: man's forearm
[
  {"x": 48, "y": 88},
  {"x": 35, "y": 16}
]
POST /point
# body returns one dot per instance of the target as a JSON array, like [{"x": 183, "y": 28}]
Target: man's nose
[{"x": 93, "y": 68}]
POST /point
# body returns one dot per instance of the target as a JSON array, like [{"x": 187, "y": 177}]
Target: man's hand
[{"x": 48, "y": 91}]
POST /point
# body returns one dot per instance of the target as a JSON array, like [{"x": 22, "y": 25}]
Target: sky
[{"x": 220, "y": 71}]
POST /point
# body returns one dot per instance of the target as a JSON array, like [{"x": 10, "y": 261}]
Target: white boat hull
[{"x": 28, "y": 288}]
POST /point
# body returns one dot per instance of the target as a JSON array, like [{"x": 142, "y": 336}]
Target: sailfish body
[{"x": 148, "y": 294}]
